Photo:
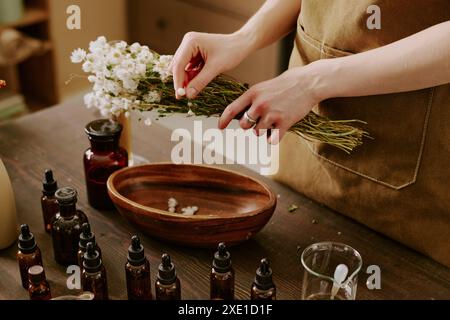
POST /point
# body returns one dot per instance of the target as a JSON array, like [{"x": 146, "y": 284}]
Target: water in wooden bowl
[{"x": 232, "y": 207}]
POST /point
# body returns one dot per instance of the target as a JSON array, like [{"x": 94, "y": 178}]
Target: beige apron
[{"x": 399, "y": 183}]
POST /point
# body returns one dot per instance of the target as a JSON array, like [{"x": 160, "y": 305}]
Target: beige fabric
[{"x": 397, "y": 184}]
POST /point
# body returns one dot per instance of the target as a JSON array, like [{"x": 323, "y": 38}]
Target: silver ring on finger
[{"x": 249, "y": 119}]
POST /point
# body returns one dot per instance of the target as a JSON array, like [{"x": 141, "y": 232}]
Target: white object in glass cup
[{"x": 322, "y": 261}]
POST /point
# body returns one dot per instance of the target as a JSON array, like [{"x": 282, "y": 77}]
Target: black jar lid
[
  {"x": 66, "y": 196},
  {"x": 103, "y": 129}
]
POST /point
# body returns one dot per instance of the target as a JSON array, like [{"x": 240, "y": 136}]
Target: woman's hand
[
  {"x": 203, "y": 56},
  {"x": 278, "y": 103}
]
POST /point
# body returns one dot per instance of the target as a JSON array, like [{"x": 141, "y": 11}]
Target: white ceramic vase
[{"x": 8, "y": 216}]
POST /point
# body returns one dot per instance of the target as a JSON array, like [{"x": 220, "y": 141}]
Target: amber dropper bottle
[
  {"x": 38, "y": 288},
  {"x": 263, "y": 287},
  {"x": 137, "y": 271},
  {"x": 222, "y": 275},
  {"x": 28, "y": 254},
  {"x": 66, "y": 227},
  {"x": 48, "y": 201},
  {"x": 167, "y": 286},
  {"x": 86, "y": 236},
  {"x": 93, "y": 277}
]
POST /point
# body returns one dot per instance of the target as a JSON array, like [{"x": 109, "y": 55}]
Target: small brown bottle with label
[
  {"x": 263, "y": 287},
  {"x": 137, "y": 271},
  {"x": 93, "y": 277},
  {"x": 66, "y": 227},
  {"x": 222, "y": 275},
  {"x": 38, "y": 288},
  {"x": 86, "y": 236},
  {"x": 167, "y": 286},
  {"x": 48, "y": 201},
  {"x": 28, "y": 254}
]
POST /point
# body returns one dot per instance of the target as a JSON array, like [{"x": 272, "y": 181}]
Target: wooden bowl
[{"x": 232, "y": 207}]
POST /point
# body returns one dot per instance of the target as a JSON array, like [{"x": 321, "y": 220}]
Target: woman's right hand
[{"x": 203, "y": 56}]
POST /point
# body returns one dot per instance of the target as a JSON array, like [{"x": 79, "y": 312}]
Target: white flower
[
  {"x": 148, "y": 122},
  {"x": 90, "y": 100},
  {"x": 162, "y": 65},
  {"x": 189, "y": 211},
  {"x": 99, "y": 46},
  {"x": 152, "y": 97},
  {"x": 78, "y": 56},
  {"x": 135, "y": 48},
  {"x": 172, "y": 202},
  {"x": 88, "y": 67}
]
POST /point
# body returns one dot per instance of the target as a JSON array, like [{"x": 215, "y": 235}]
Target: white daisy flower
[
  {"x": 78, "y": 56},
  {"x": 148, "y": 122}
]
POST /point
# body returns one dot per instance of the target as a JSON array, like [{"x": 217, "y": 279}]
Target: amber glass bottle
[
  {"x": 167, "y": 286},
  {"x": 263, "y": 287},
  {"x": 86, "y": 236},
  {"x": 93, "y": 277},
  {"x": 38, "y": 287},
  {"x": 48, "y": 201},
  {"x": 103, "y": 158},
  {"x": 222, "y": 275},
  {"x": 137, "y": 271},
  {"x": 28, "y": 254},
  {"x": 66, "y": 227}
]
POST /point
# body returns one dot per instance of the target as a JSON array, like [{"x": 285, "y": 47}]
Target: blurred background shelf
[
  {"x": 31, "y": 16},
  {"x": 33, "y": 79},
  {"x": 42, "y": 78}
]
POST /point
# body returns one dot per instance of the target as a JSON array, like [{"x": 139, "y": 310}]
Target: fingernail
[
  {"x": 181, "y": 92},
  {"x": 275, "y": 137},
  {"x": 191, "y": 92}
]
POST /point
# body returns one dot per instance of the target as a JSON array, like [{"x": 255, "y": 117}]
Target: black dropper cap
[
  {"x": 27, "y": 243},
  {"x": 66, "y": 196},
  {"x": 49, "y": 184},
  {"x": 136, "y": 256},
  {"x": 92, "y": 262},
  {"x": 263, "y": 279},
  {"x": 222, "y": 259},
  {"x": 86, "y": 236},
  {"x": 103, "y": 129},
  {"x": 166, "y": 270}
]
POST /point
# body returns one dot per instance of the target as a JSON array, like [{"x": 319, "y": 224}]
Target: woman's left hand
[{"x": 278, "y": 103}]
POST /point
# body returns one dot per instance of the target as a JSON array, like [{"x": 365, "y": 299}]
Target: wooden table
[{"x": 55, "y": 139}]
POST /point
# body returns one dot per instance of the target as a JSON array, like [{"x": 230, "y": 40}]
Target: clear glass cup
[{"x": 320, "y": 262}]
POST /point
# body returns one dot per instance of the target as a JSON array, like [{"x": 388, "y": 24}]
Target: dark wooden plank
[{"x": 55, "y": 139}]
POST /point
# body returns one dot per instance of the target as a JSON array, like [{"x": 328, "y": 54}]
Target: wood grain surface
[{"x": 55, "y": 139}]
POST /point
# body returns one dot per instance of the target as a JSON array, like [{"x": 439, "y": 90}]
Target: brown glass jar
[
  {"x": 222, "y": 275},
  {"x": 137, "y": 271},
  {"x": 38, "y": 288},
  {"x": 102, "y": 159},
  {"x": 93, "y": 276},
  {"x": 167, "y": 285},
  {"x": 66, "y": 227},
  {"x": 28, "y": 254},
  {"x": 48, "y": 200},
  {"x": 263, "y": 287}
]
